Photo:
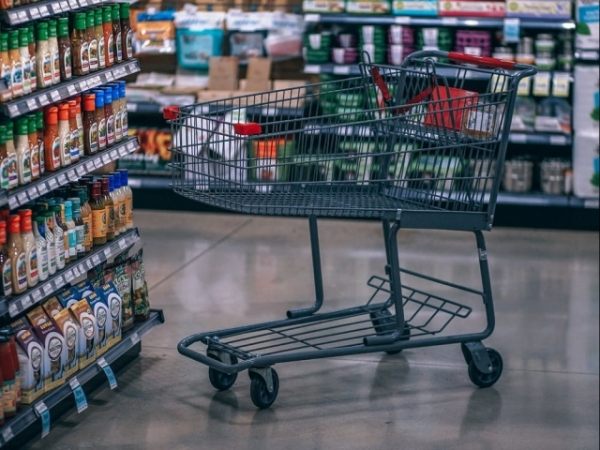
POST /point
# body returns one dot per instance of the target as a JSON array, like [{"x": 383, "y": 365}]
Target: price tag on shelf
[
  {"x": 402, "y": 20},
  {"x": 71, "y": 89},
  {"x": 112, "y": 380},
  {"x": 96, "y": 260},
  {"x": 512, "y": 30},
  {"x": 31, "y": 104},
  {"x": 47, "y": 289},
  {"x": 12, "y": 17},
  {"x": 135, "y": 338},
  {"x": 34, "y": 13},
  {"x": 312, "y": 18},
  {"x": 122, "y": 244},
  {"x": 44, "y": 11},
  {"x": 71, "y": 175},
  {"x": 42, "y": 188},
  {"x": 62, "y": 179},
  {"x": 13, "y": 310},
  {"x": 80, "y": 399},
  {"x": 109, "y": 76},
  {"x": 36, "y": 295},
  {"x": 131, "y": 145},
  {"x": 558, "y": 139},
  {"x": 69, "y": 276},
  {"x": 55, "y": 96},
  {"x": 95, "y": 2},
  {"x": 22, "y": 16},
  {"x": 541, "y": 84},
  {"x": 44, "y": 100},
  {"x": 561, "y": 82},
  {"x": 7, "y": 433},
  {"x": 82, "y": 3},
  {"x": 64, "y": 6},
  {"x": 88, "y": 264},
  {"x": 55, "y": 8},
  {"x": 108, "y": 252},
  {"x": 449, "y": 21},
  {"x": 76, "y": 271},
  {"x": 341, "y": 70},
  {"x": 59, "y": 281},
  {"x": 13, "y": 202},
  {"x": 73, "y": 4},
  {"x": 90, "y": 166},
  {"x": 524, "y": 87},
  {"x": 26, "y": 301},
  {"x": 105, "y": 159},
  {"x": 80, "y": 170},
  {"x": 82, "y": 86},
  {"x": 312, "y": 69},
  {"x": 22, "y": 197},
  {"x": 43, "y": 413}
]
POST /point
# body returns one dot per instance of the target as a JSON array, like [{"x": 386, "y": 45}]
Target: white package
[
  {"x": 587, "y": 31},
  {"x": 586, "y": 98},
  {"x": 585, "y": 164}
]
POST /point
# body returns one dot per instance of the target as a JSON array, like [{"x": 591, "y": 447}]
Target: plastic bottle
[
  {"x": 74, "y": 131},
  {"x": 116, "y": 98},
  {"x": 9, "y": 394},
  {"x": 60, "y": 220},
  {"x": 86, "y": 217},
  {"x": 5, "y": 72},
  {"x": 64, "y": 134},
  {"x": 124, "y": 114},
  {"x": 11, "y": 156},
  {"x": 54, "y": 51},
  {"x": 41, "y": 247},
  {"x": 98, "y": 216},
  {"x": 30, "y": 247},
  {"x": 90, "y": 125},
  {"x": 110, "y": 116},
  {"x": 4, "y": 161},
  {"x": 72, "y": 230},
  {"x": 16, "y": 67},
  {"x": 40, "y": 137},
  {"x": 25, "y": 60},
  {"x": 59, "y": 238},
  {"x": 17, "y": 255},
  {"x": 116, "y": 25},
  {"x": 23, "y": 152},
  {"x": 126, "y": 32},
  {"x": 79, "y": 121},
  {"x": 120, "y": 212},
  {"x": 100, "y": 38},
  {"x": 9, "y": 333},
  {"x": 90, "y": 23},
  {"x": 47, "y": 231},
  {"x": 100, "y": 119},
  {"x": 64, "y": 49},
  {"x": 34, "y": 148},
  {"x": 43, "y": 57},
  {"x": 109, "y": 39},
  {"x": 128, "y": 198},
  {"x": 79, "y": 45},
  {"x": 110, "y": 209},
  {"x": 52, "y": 142},
  {"x": 32, "y": 62},
  {"x": 5, "y": 264},
  {"x": 79, "y": 227}
]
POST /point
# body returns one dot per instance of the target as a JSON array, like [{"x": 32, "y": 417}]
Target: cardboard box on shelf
[
  {"x": 258, "y": 75},
  {"x": 368, "y": 6},
  {"x": 55, "y": 353},
  {"x": 223, "y": 73},
  {"x": 540, "y": 9},
  {"x": 323, "y": 6},
  {"x": 472, "y": 8},
  {"x": 255, "y": 86},
  {"x": 415, "y": 7},
  {"x": 31, "y": 362},
  {"x": 587, "y": 31}
]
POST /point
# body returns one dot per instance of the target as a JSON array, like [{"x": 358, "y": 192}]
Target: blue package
[
  {"x": 68, "y": 297},
  {"x": 82, "y": 289},
  {"x": 196, "y": 47}
]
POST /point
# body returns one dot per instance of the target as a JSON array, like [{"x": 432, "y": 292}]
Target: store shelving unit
[{"x": 26, "y": 424}]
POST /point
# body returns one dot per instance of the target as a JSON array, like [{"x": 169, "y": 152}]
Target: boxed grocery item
[
  {"x": 586, "y": 98},
  {"x": 585, "y": 164},
  {"x": 111, "y": 297},
  {"x": 199, "y": 37},
  {"x": 103, "y": 323},
  {"x": 587, "y": 31},
  {"x": 121, "y": 275},
  {"x": 141, "y": 304},
  {"x": 86, "y": 320},
  {"x": 68, "y": 297},
  {"x": 415, "y": 7},
  {"x": 258, "y": 74},
  {"x": 70, "y": 331},
  {"x": 368, "y": 6},
  {"x": 31, "y": 365},
  {"x": 472, "y": 8},
  {"x": 223, "y": 73},
  {"x": 55, "y": 353},
  {"x": 541, "y": 9},
  {"x": 52, "y": 306},
  {"x": 82, "y": 289},
  {"x": 553, "y": 116},
  {"x": 37, "y": 316},
  {"x": 323, "y": 6}
]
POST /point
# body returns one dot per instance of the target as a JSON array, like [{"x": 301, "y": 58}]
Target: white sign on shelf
[
  {"x": 44, "y": 11},
  {"x": 80, "y": 399},
  {"x": 71, "y": 175},
  {"x": 36, "y": 295},
  {"x": 7, "y": 433},
  {"x": 43, "y": 99},
  {"x": 557, "y": 139},
  {"x": 62, "y": 179},
  {"x": 312, "y": 69},
  {"x": 312, "y": 18},
  {"x": 31, "y": 104},
  {"x": 541, "y": 84},
  {"x": 44, "y": 414},
  {"x": 34, "y": 13},
  {"x": 135, "y": 338},
  {"x": 13, "y": 202},
  {"x": 108, "y": 252},
  {"x": 22, "y": 197},
  {"x": 64, "y": 6},
  {"x": 47, "y": 289},
  {"x": 55, "y": 96},
  {"x": 69, "y": 276},
  {"x": 26, "y": 301},
  {"x": 71, "y": 89},
  {"x": 402, "y": 20},
  {"x": 73, "y": 4},
  {"x": 561, "y": 82},
  {"x": 112, "y": 381},
  {"x": 80, "y": 170},
  {"x": 96, "y": 260},
  {"x": 341, "y": 70},
  {"x": 55, "y": 8}
]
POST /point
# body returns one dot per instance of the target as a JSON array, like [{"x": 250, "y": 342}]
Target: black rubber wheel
[
  {"x": 221, "y": 380},
  {"x": 260, "y": 395},
  {"x": 485, "y": 380},
  {"x": 385, "y": 322}
]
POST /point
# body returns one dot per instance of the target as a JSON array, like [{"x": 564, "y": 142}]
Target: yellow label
[
  {"x": 87, "y": 231},
  {"x": 99, "y": 223},
  {"x": 129, "y": 208},
  {"x": 110, "y": 218},
  {"x": 9, "y": 397}
]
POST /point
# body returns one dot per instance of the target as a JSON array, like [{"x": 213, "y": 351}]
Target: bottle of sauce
[
  {"x": 34, "y": 148},
  {"x": 23, "y": 152},
  {"x": 61, "y": 234},
  {"x": 117, "y": 111},
  {"x": 13, "y": 172},
  {"x": 9, "y": 394},
  {"x": 25, "y": 60},
  {"x": 98, "y": 216},
  {"x": 71, "y": 230},
  {"x": 124, "y": 116},
  {"x": 29, "y": 247},
  {"x": 47, "y": 231},
  {"x": 9, "y": 333},
  {"x": 86, "y": 217},
  {"x": 54, "y": 53},
  {"x": 109, "y": 39},
  {"x": 126, "y": 32},
  {"x": 39, "y": 116},
  {"x": 90, "y": 125},
  {"x": 100, "y": 119},
  {"x": 79, "y": 226},
  {"x": 64, "y": 49},
  {"x": 17, "y": 255},
  {"x": 16, "y": 67},
  {"x": 79, "y": 46},
  {"x": 79, "y": 121},
  {"x": 4, "y": 161},
  {"x": 52, "y": 143},
  {"x": 74, "y": 130},
  {"x": 64, "y": 134},
  {"x": 41, "y": 247},
  {"x": 120, "y": 212},
  {"x": 43, "y": 57},
  {"x": 128, "y": 199},
  {"x": 5, "y": 72},
  {"x": 5, "y": 264},
  {"x": 92, "y": 41},
  {"x": 100, "y": 38},
  {"x": 110, "y": 116},
  {"x": 116, "y": 198},
  {"x": 110, "y": 209},
  {"x": 32, "y": 61},
  {"x": 116, "y": 26}
]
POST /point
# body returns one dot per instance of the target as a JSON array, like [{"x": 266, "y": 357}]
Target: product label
[
  {"x": 42, "y": 253},
  {"x": 25, "y": 168},
  {"x": 84, "y": 55},
  {"x": 17, "y": 78},
  {"x": 51, "y": 253},
  {"x": 123, "y": 213},
  {"x": 42, "y": 157},
  {"x": 67, "y": 244},
  {"x": 110, "y": 130},
  {"x": 32, "y": 263},
  {"x": 80, "y": 238},
  {"x": 72, "y": 234},
  {"x": 102, "y": 133},
  {"x": 129, "y": 40},
  {"x": 67, "y": 63},
  {"x": 35, "y": 161},
  {"x": 26, "y": 74},
  {"x": 87, "y": 231},
  {"x": 7, "y": 278},
  {"x": 81, "y": 141},
  {"x": 101, "y": 53},
  {"x": 6, "y": 77},
  {"x": 93, "y": 138},
  {"x": 13, "y": 172},
  {"x": 119, "y": 46},
  {"x": 125, "y": 123},
  {"x": 118, "y": 126},
  {"x": 9, "y": 398},
  {"x": 111, "y": 49},
  {"x": 75, "y": 145},
  {"x": 129, "y": 203},
  {"x": 4, "y": 170},
  {"x": 21, "y": 267},
  {"x": 65, "y": 149},
  {"x": 46, "y": 70},
  {"x": 93, "y": 49},
  {"x": 56, "y": 153},
  {"x": 99, "y": 223},
  {"x": 33, "y": 71},
  {"x": 59, "y": 247},
  {"x": 56, "y": 67},
  {"x": 110, "y": 212}
]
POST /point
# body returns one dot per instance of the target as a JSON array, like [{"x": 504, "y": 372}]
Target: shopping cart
[{"x": 396, "y": 143}]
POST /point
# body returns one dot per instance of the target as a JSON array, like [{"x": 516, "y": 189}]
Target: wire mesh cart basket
[{"x": 416, "y": 146}]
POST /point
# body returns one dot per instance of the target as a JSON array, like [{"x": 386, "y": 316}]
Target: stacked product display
[{"x": 69, "y": 287}]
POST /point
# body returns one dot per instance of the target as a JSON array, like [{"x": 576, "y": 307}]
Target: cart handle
[
  {"x": 171, "y": 112},
  {"x": 486, "y": 61}
]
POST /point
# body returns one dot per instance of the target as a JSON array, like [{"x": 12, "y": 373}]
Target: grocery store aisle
[{"x": 216, "y": 271}]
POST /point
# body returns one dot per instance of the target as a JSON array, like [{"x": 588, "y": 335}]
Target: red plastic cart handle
[
  {"x": 247, "y": 129},
  {"x": 484, "y": 61},
  {"x": 171, "y": 112}
]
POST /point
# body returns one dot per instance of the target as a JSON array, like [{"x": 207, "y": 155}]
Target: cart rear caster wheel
[
  {"x": 485, "y": 380},
  {"x": 384, "y": 322},
  {"x": 221, "y": 380},
  {"x": 259, "y": 392}
]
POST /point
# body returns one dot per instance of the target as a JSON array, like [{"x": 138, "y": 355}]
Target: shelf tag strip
[
  {"x": 112, "y": 380},
  {"x": 43, "y": 412},
  {"x": 80, "y": 398}
]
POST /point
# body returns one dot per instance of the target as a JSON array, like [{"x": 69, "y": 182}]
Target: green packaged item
[{"x": 141, "y": 304}]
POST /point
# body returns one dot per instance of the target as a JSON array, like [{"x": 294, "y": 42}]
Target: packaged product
[
  {"x": 586, "y": 164},
  {"x": 103, "y": 322},
  {"x": 368, "y": 6},
  {"x": 415, "y": 7},
  {"x": 111, "y": 297},
  {"x": 141, "y": 304},
  {"x": 70, "y": 331},
  {"x": 83, "y": 289},
  {"x": 199, "y": 37},
  {"x": 122, "y": 280},
  {"x": 155, "y": 33},
  {"x": 31, "y": 365},
  {"x": 96, "y": 275},
  {"x": 323, "y": 6},
  {"x": 20, "y": 324},
  {"x": 586, "y": 98},
  {"x": 587, "y": 30},
  {"x": 55, "y": 353},
  {"x": 247, "y": 31},
  {"x": 472, "y": 8},
  {"x": 86, "y": 320},
  {"x": 37, "y": 316},
  {"x": 68, "y": 297},
  {"x": 52, "y": 306},
  {"x": 540, "y": 9}
]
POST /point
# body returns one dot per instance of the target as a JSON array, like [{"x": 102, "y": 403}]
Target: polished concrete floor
[{"x": 217, "y": 271}]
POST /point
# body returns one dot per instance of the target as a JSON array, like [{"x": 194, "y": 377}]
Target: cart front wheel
[
  {"x": 485, "y": 380},
  {"x": 259, "y": 391},
  {"x": 221, "y": 380}
]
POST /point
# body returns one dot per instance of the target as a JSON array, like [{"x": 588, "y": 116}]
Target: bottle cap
[
  {"x": 22, "y": 126},
  {"x": 32, "y": 123},
  {"x": 52, "y": 116},
  {"x": 68, "y": 211},
  {"x": 116, "y": 13},
  {"x": 72, "y": 109},
  {"x": 111, "y": 183},
  {"x": 105, "y": 186},
  {"x": 98, "y": 17},
  {"x": 9, "y": 135},
  {"x": 125, "y": 10},
  {"x": 63, "y": 27},
  {"x": 2, "y": 134},
  {"x": 89, "y": 102},
  {"x": 96, "y": 190},
  {"x": 14, "y": 224},
  {"x": 23, "y": 37},
  {"x": 79, "y": 22},
  {"x": 63, "y": 111},
  {"x": 90, "y": 20},
  {"x": 25, "y": 218},
  {"x": 52, "y": 28},
  {"x": 3, "y": 42},
  {"x": 107, "y": 95},
  {"x": 115, "y": 91},
  {"x": 2, "y": 232},
  {"x": 13, "y": 39},
  {"x": 40, "y": 120},
  {"x": 122, "y": 89},
  {"x": 99, "y": 98},
  {"x": 124, "y": 177},
  {"x": 107, "y": 14},
  {"x": 116, "y": 176}
]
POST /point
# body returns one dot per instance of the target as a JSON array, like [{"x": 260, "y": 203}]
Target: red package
[{"x": 448, "y": 107}]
